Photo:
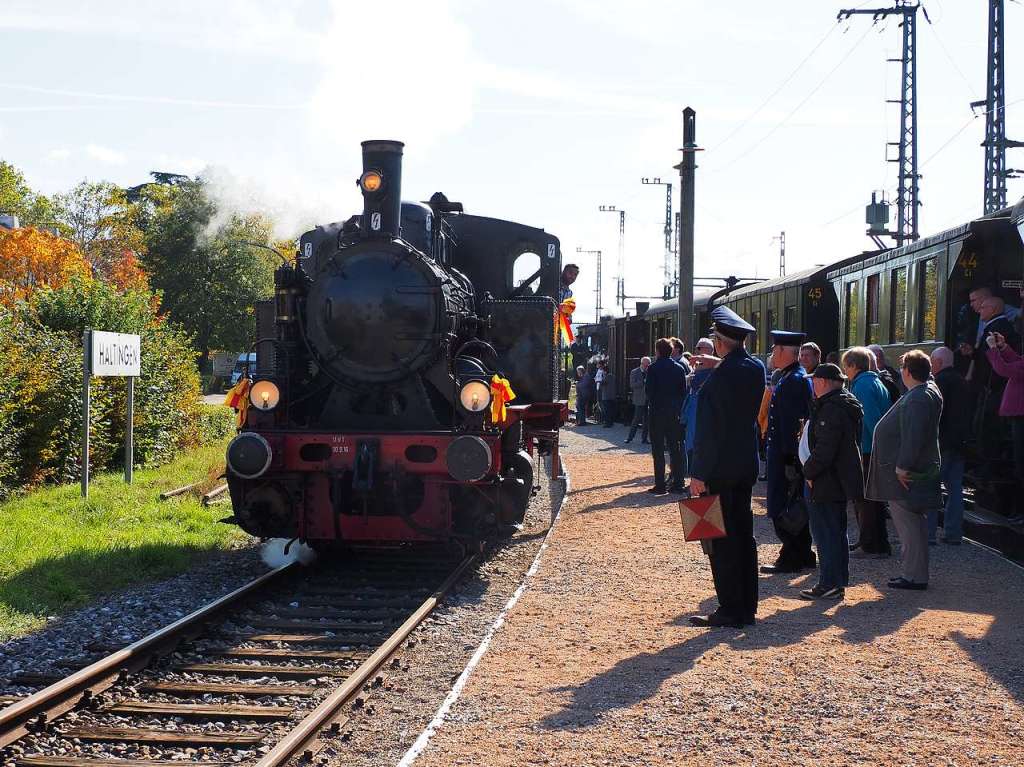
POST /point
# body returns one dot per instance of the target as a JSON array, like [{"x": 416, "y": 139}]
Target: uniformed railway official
[
  {"x": 790, "y": 406},
  {"x": 725, "y": 463}
]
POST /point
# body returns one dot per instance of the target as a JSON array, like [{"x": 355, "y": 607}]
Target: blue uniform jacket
[
  {"x": 725, "y": 445},
  {"x": 791, "y": 403},
  {"x": 688, "y": 415},
  {"x": 665, "y": 385}
]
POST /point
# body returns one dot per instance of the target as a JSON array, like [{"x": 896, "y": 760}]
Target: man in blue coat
[
  {"x": 666, "y": 389},
  {"x": 789, "y": 409},
  {"x": 725, "y": 464}
]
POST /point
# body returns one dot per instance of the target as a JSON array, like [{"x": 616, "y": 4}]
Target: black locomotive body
[{"x": 373, "y": 417}]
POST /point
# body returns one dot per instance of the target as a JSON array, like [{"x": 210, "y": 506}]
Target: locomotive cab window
[{"x": 526, "y": 272}]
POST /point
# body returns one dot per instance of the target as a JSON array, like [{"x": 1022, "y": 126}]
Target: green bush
[
  {"x": 40, "y": 398},
  {"x": 216, "y": 423}
]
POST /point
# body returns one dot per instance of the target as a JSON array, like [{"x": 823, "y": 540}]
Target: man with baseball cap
[
  {"x": 832, "y": 468},
  {"x": 725, "y": 464}
]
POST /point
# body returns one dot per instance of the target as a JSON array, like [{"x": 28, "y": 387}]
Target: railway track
[{"x": 256, "y": 677}]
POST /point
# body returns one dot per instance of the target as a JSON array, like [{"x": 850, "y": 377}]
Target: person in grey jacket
[
  {"x": 904, "y": 468},
  {"x": 638, "y": 396}
]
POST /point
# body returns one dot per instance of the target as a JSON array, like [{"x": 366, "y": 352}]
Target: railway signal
[
  {"x": 620, "y": 282},
  {"x": 669, "y": 251}
]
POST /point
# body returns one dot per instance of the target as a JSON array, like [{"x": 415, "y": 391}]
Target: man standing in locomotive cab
[
  {"x": 789, "y": 408},
  {"x": 725, "y": 464},
  {"x": 569, "y": 274}
]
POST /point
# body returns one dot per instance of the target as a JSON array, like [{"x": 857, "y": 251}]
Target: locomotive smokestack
[{"x": 381, "y": 185}]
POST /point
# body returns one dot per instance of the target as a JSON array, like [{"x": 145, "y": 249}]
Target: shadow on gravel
[{"x": 636, "y": 679}]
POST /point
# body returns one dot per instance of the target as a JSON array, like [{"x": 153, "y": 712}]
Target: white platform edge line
[{"x": 428, "y": 732}]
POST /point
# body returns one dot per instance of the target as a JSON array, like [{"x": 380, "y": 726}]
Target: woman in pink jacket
[{"x": 1010, "y": 365}]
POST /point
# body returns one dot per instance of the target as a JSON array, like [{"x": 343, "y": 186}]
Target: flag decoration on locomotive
[{"x": 404, "y": 380}]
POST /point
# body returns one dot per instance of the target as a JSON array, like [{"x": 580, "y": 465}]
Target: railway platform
[{"x": 597, "y": 663}]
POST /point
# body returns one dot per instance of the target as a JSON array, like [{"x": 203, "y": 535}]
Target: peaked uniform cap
[
  {"x": 788, "y": 338},
  {"x": 725, "y": 321}
]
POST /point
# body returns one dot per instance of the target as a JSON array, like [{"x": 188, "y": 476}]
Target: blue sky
[{"x": 533, "y": 111}]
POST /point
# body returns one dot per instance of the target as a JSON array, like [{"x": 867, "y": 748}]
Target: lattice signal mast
[
  {"x": 620, "y": 286},
  {"x": 995, "y": 142},
  {"x": 667, "y": 291},
  {"x": 907, "y": 198}
]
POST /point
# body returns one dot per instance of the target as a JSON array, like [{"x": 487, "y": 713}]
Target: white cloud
[
  {"x": 105, "y": 154},
  {"x": 189, "y": 166},
  {"x": 58, "y": 155}
]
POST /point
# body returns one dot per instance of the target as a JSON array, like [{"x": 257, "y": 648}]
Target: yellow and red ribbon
[
  {"x": 501, "y": 394},
  {"x": 563, "y": 322},
  {"x": 238, "y": 398}
]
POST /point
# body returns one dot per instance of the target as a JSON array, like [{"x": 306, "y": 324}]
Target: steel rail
[
  {"x": 42, "y": 706},
  {"x": 302, "y": 739}
]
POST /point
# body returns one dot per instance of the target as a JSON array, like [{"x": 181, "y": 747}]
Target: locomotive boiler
[{"x": 381, "y": 409}]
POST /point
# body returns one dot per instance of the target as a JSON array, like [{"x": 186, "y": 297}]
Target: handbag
[
  {"x": 794, "y": 517},
  {"x": 702, "y": 518}
]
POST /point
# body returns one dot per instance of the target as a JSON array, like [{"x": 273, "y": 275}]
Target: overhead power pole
[
  {"x": 995, "y": 142},
  {"x": 597, "y": 290},
  {"x": 620, "y": 286},
  {"x": 907, "y": 197},
  {"x": 669, "y": 250},
  {"x": 687, "y": 178}
]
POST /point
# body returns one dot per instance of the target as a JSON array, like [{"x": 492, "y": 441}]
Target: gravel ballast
[{"x": 598, "y": 665}]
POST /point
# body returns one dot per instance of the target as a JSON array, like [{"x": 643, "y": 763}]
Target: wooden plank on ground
[
  {"x": 299, "y": 625},
  {"x": 267, "y": 652}
]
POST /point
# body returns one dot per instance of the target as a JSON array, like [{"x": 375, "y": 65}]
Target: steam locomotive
[{"x": 377, "y": 413}]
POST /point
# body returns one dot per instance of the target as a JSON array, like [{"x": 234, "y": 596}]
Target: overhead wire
[{"x": 795, "y": 109}]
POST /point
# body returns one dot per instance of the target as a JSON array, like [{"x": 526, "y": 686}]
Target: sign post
[{"x": 109, "y": 354}]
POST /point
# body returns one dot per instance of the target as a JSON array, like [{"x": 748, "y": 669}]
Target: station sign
[{"x": 114, "y": 354}]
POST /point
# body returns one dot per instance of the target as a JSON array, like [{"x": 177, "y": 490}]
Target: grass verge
[{"x": 58, "y": 551}]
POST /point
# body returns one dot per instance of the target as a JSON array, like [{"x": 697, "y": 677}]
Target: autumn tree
[
  {"x": 209, "y": 276},
  {"x": 99, "y": 218},
  {"x": 33, "y": 258}
]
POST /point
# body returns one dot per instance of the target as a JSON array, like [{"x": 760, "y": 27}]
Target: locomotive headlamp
[
  {"x": 475, "y": 396},
  {"x": 371, "y": 181},
  {"x": 264, "y": 395}
]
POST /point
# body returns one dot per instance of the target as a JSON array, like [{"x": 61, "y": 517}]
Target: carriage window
[
  {"x": 898, "y": 310},
  {"x": 928, "y": 300},
  {"x": 851, "y": 314},
  {"x": 755, "y": 320},
  {"x": 791, "y": 320},
  {"x": 873, "y": 295},
  {"x": 771, "y": 322},
  {"x": 525, "y": 266}
]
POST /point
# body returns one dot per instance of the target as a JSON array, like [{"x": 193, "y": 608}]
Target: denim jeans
[
  {"x": 582, "y": 405},
  {"x": 952, "y": 474},
  {"x": 828, "y": 529}
]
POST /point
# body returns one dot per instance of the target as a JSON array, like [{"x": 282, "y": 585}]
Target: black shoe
[
  {"x": 683, "y": 491},
  {"x": 763, "y": 478},
  {"x": 658, "y": 491},
  {"x": 854, "y": 546},
  {"x": 645, "y": 442},
  {"x": 716, "y": 620},
  {"x": 628, "y": 441},
  {"x": 778, "y": 570},
  {"x": 823, "y": 592},
  {"x": 903, "y": 583}
]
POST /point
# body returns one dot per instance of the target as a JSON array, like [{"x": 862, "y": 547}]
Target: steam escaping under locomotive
[{"x": 380, "y": 410}]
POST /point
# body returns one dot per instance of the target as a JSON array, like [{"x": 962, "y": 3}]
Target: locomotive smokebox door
[{"x": 522, "y": 331}]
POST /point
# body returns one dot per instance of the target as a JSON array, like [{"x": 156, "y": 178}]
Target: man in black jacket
[
  {"x": 666, "y": 389},
  {"x": 954, "y": 429},
  {"x": 834, "y": 476}
]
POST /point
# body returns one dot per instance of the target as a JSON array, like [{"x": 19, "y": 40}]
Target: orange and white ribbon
[{"x": 563, "y": 322}]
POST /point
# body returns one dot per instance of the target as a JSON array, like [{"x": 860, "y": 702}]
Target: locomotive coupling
[{"x": 381, "y": 185}]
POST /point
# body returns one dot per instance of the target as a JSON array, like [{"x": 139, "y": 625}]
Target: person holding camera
[{"x": 1010, "y": 365}]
